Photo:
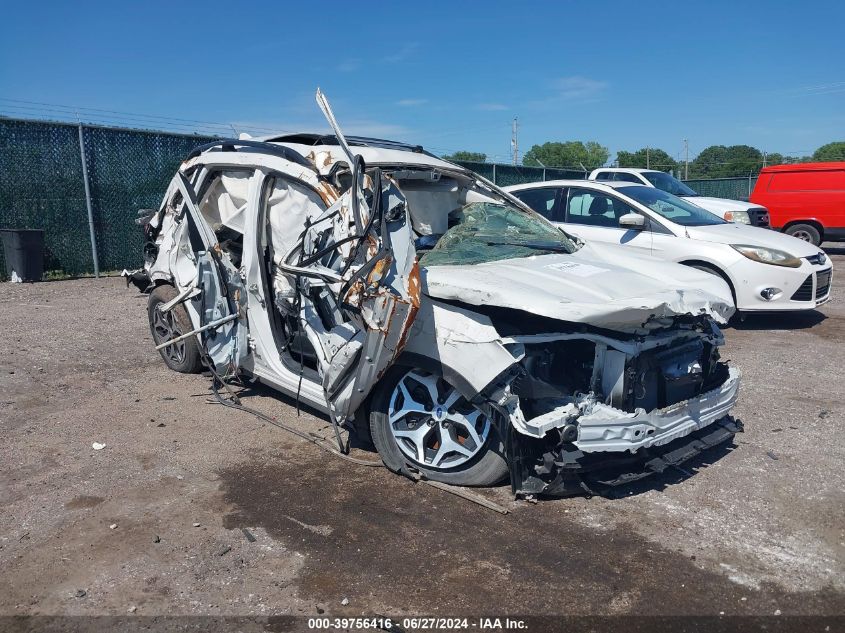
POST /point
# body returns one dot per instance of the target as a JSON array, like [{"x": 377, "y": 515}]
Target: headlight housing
[
  {"x": 740, "y": 217},
  {"x": 767, "y": 255}
]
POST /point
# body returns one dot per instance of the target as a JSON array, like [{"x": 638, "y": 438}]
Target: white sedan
[{"x": 766, "y": 270}]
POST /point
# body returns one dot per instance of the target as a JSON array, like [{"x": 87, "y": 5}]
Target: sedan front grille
[
  {"x": 805, "y": 291},
  {"x": 823, "y": 283}
]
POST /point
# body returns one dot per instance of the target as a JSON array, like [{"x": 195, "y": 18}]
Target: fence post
[
  {"x": 749, "y": 183},
  {"x": 88, "y": 204},
  {"x": 544, "y": 174}
]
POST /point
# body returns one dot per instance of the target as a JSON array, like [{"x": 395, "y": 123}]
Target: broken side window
[{"x": 223, "y": 207}]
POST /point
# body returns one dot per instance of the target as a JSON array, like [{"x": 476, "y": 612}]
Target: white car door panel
[{"x": 594, "y": 215}]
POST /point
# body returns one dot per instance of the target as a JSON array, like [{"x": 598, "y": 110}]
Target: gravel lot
[{"x": 152, "y": 523}]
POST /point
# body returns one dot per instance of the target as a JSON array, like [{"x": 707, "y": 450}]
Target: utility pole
[
  {"x": 686, "y": 159},
  {"x": 515, "y": 141},
  {"x": 647, "y": 159},
  {"x": 764, "y": 159}
]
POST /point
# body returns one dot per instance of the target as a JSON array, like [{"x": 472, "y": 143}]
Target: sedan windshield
[
  {"x": 491, "y": 231},
  {"x": 671, "y": 207},
  {"x": 667, "y": 183}
]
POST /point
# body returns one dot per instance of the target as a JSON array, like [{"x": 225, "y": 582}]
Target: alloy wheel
[
  {"x": 433, "y": 424},
  {"x": 166, "y": 327}
]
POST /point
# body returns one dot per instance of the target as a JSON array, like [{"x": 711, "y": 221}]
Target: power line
[{"x": 75, "y": 113}]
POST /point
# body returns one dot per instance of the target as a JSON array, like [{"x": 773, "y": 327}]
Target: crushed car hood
[
  {"x": 600, "y": 285},
  {"x": 752, "y": 235}
]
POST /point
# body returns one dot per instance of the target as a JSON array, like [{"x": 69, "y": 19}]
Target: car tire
[
  {"x": 484, "y": 467},
  {"x": 805, "y": 232},
  {"x": 184, "y": 356}
]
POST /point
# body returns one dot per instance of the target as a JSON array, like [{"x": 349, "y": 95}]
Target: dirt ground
[{"x": 154, "y": 522}]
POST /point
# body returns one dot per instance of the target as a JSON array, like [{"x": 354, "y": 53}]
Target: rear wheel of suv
[
  {"x": 418, "y": 418},
  {"x": 183, "y": 356},
  {"x": 806, "y": 232}
]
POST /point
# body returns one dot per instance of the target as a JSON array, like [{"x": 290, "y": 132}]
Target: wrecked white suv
[{"x": 415, "y": 301}]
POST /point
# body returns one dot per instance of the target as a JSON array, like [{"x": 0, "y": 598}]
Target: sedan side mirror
[{"x": 632, "y": 221}]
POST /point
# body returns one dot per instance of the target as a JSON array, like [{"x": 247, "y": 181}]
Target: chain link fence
[
  {"x": 731, "y": 188},
  {"x": 42, "y": 186},
  {"x": 505, "y": 175}
]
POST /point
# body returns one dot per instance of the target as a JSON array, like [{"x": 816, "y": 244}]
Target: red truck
[{"x": 806, "y": 200}]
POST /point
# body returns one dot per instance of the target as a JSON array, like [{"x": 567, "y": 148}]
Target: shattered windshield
[{"x": 491, "y": 231}]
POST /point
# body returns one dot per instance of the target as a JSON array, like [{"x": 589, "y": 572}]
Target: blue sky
[{"x": 448, "y": 75}]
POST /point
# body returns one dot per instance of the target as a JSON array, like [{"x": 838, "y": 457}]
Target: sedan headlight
[
  {"x": 768, "y": 255},
  {"x": 740, "y": 217}
]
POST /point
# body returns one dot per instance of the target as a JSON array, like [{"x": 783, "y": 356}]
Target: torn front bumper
[
  {"x": 561, "y": 471},
  {"x": 607, "y": 429},
  {"x": 614, "y": 447}
]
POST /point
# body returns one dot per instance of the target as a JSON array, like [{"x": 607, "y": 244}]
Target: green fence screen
[
  {"x": 505, "y": 175},
  {"x": 42, "y": 187},
  {"x": 731, "y": 188}
]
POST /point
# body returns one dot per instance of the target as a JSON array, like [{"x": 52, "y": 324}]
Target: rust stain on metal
[
  {"x": 372, "y": 247},
  {"x": 377, "y": 273},
  {"x": 414, "y": 285},
  {"x": 327, "y": 192},
  {"x": 355, "y": 294},
  {"x": 414, "y": 288}
]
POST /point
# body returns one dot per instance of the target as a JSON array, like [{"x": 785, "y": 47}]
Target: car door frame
[{"x": 219, "y": 310}]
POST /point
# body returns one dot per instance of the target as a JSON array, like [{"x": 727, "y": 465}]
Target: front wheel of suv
[{"x": 418, "y": 418}]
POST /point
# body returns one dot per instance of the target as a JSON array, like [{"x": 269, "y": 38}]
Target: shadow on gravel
[
  {"x": 389, "y": 545},
  {"x": 674, "y": 474},
  {"x": 780, "y": 321},
  {"x": 251, "y": 396}
]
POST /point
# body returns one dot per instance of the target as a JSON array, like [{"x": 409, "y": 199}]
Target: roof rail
[
  {"x": 360, "y": 141},
  {"x": 231, "y": 145}
]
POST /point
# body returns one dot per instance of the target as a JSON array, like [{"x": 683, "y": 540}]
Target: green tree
[
  {"x": 567, "y": 154},
  {"x": 831, "y": 152},
  {"x": 720, "y": 161},
  {"x": 472, "y": 157},
  {"x": 647, "y": 157},
  {"x": 779, "y": 159}
]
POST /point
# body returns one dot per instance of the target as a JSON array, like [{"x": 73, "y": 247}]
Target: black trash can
[{"x": 24, "y": 251}]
